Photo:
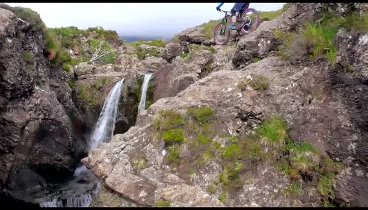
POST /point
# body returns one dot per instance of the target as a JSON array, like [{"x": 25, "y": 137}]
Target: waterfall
[
  {"x": 142, "y": 103},
  {"x": 103, "y": 131},
  {"x": 82, "y": 201},
  {"x": 106, "y": 122}
]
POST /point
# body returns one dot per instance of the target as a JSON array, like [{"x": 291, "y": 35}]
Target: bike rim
[
  {"x": 251, "y": 20},
  {"x": 221, "y": 34}
]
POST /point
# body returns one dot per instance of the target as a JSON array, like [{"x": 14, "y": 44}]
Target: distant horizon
[{"x": 156, "y": 20}]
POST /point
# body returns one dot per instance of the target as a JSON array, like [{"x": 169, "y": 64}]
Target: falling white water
[
  {"x": 81, "y": 201},
  {"x": 106, "y": 122},
  {"x": 142, "y": 103},
  {"x": 103, "y": 131}
]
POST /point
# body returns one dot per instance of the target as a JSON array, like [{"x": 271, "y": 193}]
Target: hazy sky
[{"x": 147, "y": 19}]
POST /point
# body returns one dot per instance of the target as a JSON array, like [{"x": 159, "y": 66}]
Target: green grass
[
  {"x": 174, "y": 136},
  {"x": 203, "y": 139},
  {"x": 140, "y": 164},
  {"x": 325, "y": 186},
  {"x": 28, "y": 15},
  {"x": 294, "y": 190},
  {"x": 28, "y": 57},
  {"x": 230, "y": 178},
  {"x": 274, "y": 131},
  {"x": 168, "y": 119},
  {"x": 189, "y": 56},
  {"x": 303, "y": 157},
  {"x": 199, "y": 138},
  {"x": 232, "y": 152},
  {"x": 144, "y": 53},
  {"x": 224, "y": 197},
  {"x": 162, "y": 203},
  {"x": 212, "y": 188},
  {"x": 209, "y": 27},
  {"x": 154, "y": 43},
  {"x": 202, "y": 115},
  {"x": 90, "y": 93},
  {"x": 174, "y": 154},
  {"x": 71, "y": 83},
  {"x": 259, "y": 82},
  {"x": 270, "y": 15},
  {"x": 322, "y": 37}
]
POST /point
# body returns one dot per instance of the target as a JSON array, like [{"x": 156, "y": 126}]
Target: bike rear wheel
[
  {"x": 221, "y": 34},
  {"x": 251, "y": 20}
]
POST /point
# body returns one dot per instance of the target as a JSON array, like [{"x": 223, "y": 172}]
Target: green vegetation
[
  {"x": 273, "y": 131},
  {"x": 303, "y": 157},
  {"x": 28, "y": 57},
  {"x": 270, "y": 15},
  {"x": 195, "y": 133},
  {"x": 174, "y": 154},
  {"x": 168, "y": 119},
  {"x": 175, "y": 39},
  {"x": 318, "y": 39},
  {"x": 294, "y": 190},
  {"x": 230, "y": 178},
  {"x": 259, "y": 82},
  {"x": 151, "y": 50},
  {"x": 322, "y": 38},
  {"x": 162, "y": 203},
  {"x": 140, "y": 164},
  {"x": 212, "y": 188},
  {"x": 71, "y": 84},
  {"x": 28, "y": 15},
  {"x": 61, "y": 39},
  {"x": 325, "y": 186},
  {"x": 109, "y": 58},
  {"x": 173, "y": 136},
  {"x": 232, "y": 152},
  {"x": 202, "y": 115},
  {"x": 224, "y": 197},
  {"x": 209, "y": 27},
  {"x": 154, "y": 43},
  {"x": 90, "y": 93},
  {"x": 193, "y": 49}
]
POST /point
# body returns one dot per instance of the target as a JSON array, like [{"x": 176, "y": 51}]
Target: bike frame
[{"x": 227, "y": 17}]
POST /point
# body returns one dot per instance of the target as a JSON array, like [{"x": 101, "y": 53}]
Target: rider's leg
[{"x": 234, "y": 14}]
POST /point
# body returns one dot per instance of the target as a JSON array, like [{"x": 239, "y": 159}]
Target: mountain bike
[{"x": 246, "y": 22}]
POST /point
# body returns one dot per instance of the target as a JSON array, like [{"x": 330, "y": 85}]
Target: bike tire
[
  {"x": 257, "y": 20},
  {"x": 217, "y": 31}
]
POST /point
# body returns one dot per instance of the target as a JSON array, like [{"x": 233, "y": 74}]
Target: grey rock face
[{"x": 38, "y": 120}]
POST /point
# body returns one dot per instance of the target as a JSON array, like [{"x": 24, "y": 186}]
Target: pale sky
[{"x": 134, "y": 19}]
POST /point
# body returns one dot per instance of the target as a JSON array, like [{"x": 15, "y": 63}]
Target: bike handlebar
[{"x": 223, "y": 11}]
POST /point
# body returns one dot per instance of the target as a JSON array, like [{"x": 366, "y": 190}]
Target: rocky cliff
[
  {"x": 274, "y": 119},
  {"x": 243, "y": 125},
  {"x": 41, "y": 130}
]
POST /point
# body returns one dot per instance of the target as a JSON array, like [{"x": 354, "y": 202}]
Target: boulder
[{"x": 172, "y": 50}]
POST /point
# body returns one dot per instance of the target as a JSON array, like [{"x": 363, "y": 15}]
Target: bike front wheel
[
  {"x": 221, "y": 34},
  {"x": 251, "y": 20}
]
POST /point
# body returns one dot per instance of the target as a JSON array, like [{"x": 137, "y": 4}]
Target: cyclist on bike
[{"x": 237, "y": 9}]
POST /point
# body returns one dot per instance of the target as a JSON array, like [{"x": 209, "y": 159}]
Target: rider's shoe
[{"x": 233, "y": 27}]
